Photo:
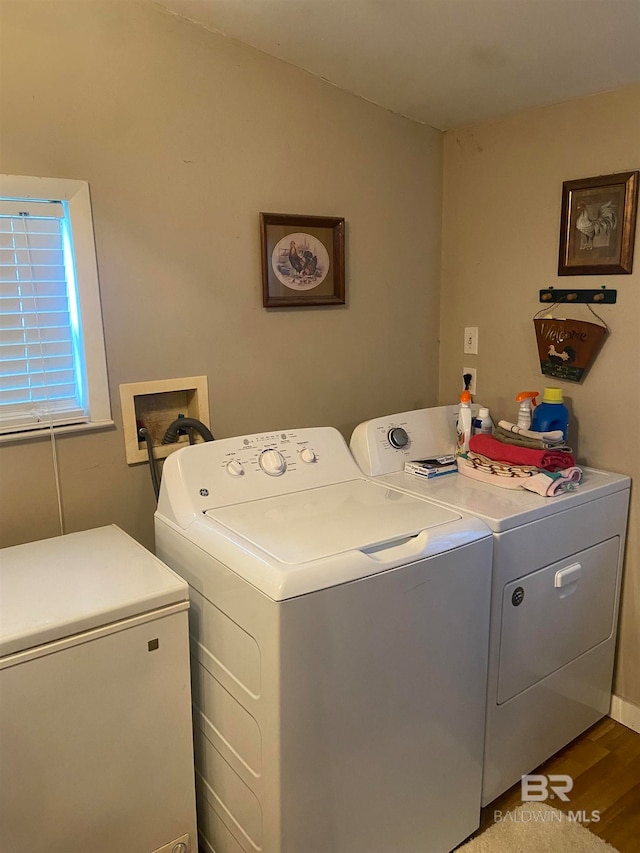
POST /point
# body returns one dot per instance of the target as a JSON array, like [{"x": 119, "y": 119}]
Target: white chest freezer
[{"x": 95, "y": 725}]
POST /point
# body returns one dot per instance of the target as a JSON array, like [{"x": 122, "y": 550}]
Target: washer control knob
[
  {"x": 308, "y": 455},
  {"x": 398, "y": 437},
  {"x": 272, "y": 463},
  {"x": 234, "y": 468}
]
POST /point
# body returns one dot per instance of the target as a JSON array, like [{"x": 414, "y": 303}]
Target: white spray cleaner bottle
[
  {"x": 527, "y": 400},
  {"x": 464, "y": 423}
]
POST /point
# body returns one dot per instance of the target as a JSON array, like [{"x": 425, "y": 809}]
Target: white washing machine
[
  {"x": 96, "y": 749},
  {"x": 339, "y": 635},
  {"x": 557, "y": 565}
]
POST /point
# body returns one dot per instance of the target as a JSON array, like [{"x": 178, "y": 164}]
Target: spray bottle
[
  {"x": 527, "y": 400},
  {"x": 464, "y": 422}
]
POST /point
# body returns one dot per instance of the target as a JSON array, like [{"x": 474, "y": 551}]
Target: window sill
[{"x": 45, "y": 432}]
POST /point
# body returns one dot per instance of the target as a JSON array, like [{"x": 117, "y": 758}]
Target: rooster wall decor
[
  {"x": 598, "y": 224},
  {"x": 595, "y": 223},
  {"x": 302, "y": 260}
]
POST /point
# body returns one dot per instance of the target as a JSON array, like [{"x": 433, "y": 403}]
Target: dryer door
[{"x": 555, "y": 614}]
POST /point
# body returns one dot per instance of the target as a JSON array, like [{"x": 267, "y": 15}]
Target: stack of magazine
[{"x": 432, "y": 467}]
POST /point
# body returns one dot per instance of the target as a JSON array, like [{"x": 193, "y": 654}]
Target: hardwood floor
[{"x": 604, "y": 763}]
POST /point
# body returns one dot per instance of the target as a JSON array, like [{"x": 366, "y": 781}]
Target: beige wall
[
  {"x": 502, "y": 195},
  {"x": 185, "y": 137}
]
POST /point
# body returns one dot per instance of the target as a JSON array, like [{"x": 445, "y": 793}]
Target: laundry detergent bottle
[
  {"x": 551, "y": 413},
  {"x": 464, "y": 422}
]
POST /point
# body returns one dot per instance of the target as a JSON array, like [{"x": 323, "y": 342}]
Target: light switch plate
[{"x": 471, "y": 340}]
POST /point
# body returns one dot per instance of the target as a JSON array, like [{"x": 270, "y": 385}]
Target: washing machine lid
[
  {"x": 337, "y": 519},
  {"x": 56, "y": 588}
]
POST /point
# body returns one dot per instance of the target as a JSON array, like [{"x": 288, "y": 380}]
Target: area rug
[{"x": 536, "y": 828}]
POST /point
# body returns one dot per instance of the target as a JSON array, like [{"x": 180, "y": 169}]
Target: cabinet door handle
[{"x": 569, "y": 575}]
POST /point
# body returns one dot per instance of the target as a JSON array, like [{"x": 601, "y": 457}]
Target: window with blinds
[
  {"x": 44, "y": 378},
  {"x": 41, "y": 364}
]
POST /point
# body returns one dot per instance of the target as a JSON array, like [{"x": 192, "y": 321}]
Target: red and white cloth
[{"x": 511, "y": 454}]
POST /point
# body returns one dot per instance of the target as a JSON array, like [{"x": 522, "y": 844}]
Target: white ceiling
[{"x": 445, "y": 63}]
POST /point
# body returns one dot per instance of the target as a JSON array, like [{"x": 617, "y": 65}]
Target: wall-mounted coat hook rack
[{"x": 600, "y": 297}]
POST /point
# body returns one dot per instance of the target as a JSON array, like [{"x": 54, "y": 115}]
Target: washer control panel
[
  {"x": 272, "y": 455},
  {"x": 233, "y": 470}
]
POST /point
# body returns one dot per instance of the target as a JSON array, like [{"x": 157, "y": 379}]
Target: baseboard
[{"x": 625, "y": 712}]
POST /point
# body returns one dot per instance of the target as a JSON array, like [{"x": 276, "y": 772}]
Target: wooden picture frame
[
  {"x": 598, "y": 224},
  {"x": 302, "y": 260}
]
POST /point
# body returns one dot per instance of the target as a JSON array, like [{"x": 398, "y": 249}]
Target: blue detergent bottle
[{"x": 551, "y": 413}]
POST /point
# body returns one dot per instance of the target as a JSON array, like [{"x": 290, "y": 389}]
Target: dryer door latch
[{"x": 570, "y": 574}]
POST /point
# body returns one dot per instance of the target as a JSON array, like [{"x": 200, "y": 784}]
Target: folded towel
[
  {"x": 551, "y": 460},
  {"x": 550, "y": 484},
  {"x": 544, "y": 483},
  {"x": 472, "y": 468},
  {"x": 508, "y": 437},
  {"x": 499, "y": 469},
  {"x": 555, "y": 436}
]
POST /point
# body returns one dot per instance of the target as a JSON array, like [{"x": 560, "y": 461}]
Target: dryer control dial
[
  {"x": 308, "y": 455},
  {"x": 272, "y": 463},
  {"x": 398, "y": 437},
  {"x": 234, "y": 468}
]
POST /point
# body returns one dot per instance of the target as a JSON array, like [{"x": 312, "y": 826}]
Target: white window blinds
[{"x": 41, "y": 354}]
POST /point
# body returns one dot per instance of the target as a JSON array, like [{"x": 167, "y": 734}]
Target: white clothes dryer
[
  {"x": 339, "y": 634},
  {"x": 557, "y": 565}
]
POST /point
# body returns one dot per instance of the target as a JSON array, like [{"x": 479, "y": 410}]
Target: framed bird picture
[
  {"x": 302, "y": 260},
  {"x": 598, "y": 224}
]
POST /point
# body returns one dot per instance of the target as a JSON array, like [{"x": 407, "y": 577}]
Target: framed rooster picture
[
  {"x": 302, "y": 260},
  {"x": 598, "y": 224}
]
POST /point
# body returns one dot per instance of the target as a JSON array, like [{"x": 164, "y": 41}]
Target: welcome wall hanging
[{"x": 568, "y": 348}]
